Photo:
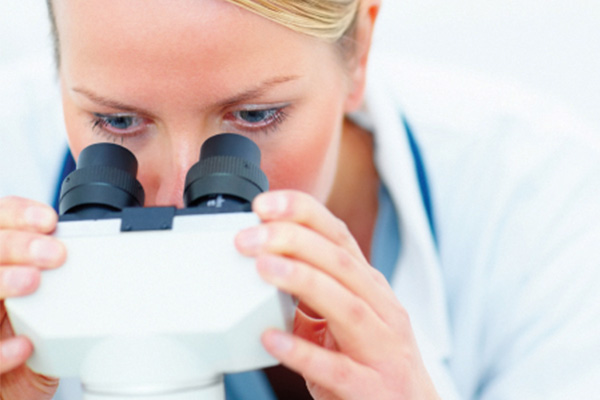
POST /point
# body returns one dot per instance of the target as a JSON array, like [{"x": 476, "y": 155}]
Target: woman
[{"x": 161, "y": 77}]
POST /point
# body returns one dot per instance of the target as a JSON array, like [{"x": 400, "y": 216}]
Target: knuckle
[
  {"x": 3, "y": 245},
  {"x": 281, "y": 237},
  {"x": 341, "y": 375},
  {"x": 357, "y": 312},
  {"x": 342, "y": 229},
  {"x": 25, "y": 214},
  {"x": 401, "y": 317},
  {"x": 378, "y": 276},
  {"x": 293, "y": 202},
  {"x": 299, "y": 209},
  {"x": 16, "y": 247},
  {"x": 303, "y": 358},
  {"x": 12, "y": 201},
  {"x": 345, "y": 260},
  {"x": 305, "y": 280},
  {"x": 14, "y": 205},
  {"x": 343, "y": 235},
  {"x": 11, "y": 210},
  {"x": 7, "y": 246},
  {"x": 18, "y": 281}
]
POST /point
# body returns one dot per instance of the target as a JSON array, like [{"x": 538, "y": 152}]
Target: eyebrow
[
  {"x": 254, "y": 92},
  {"x": 106, "y": 102},
  {"x": 257, "y": 91}
]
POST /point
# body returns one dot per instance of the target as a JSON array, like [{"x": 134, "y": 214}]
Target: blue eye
[
  {"x": 118, "y": 122},
  {"x": 256, "y": 116},
  {"x": 257, "y": 120},
  {"x": 118, "y": 125}
]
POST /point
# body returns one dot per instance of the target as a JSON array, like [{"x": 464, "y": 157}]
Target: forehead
[{"x": 176, "y": 43}]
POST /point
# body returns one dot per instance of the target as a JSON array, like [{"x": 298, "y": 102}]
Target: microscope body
[
  {"x": 131, "y": 311},
  {"x": 152, "y": 303}
]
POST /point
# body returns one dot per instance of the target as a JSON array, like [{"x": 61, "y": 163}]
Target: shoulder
[
  {"x": 489, "y": 144},
  {"x": 515, "y": 180},
  {"x": 493, "y": 150}
]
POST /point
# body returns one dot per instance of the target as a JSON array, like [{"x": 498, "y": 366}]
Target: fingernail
[
  {"x": 11, "y": 349},
  {"x": 279, "y": 342},
  {"x": 252, "y": 238},
  {"x": 19, "y": 280},
  {"x": 271, "y": 204},
  {"x": 276, "y": 266},
  {"x": 45, "y": 250},
  {"x": 40, "y": 217}
]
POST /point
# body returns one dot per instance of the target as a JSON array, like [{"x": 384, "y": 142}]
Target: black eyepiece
[
  {"x": 228, "y": 171},
  {"x": 105, "y": 180},
  {"x": 226, "y": 179}
]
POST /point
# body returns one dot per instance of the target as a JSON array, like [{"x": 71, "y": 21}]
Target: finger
[
  {"x": 26, "y": 215},
  {"x": 351, "y": 320},
  {"x": 34, "y": 249},
  {"x": 334, "y": 371},
  {"x": 18, "y": 281},
  {"x": 295, "y": 206},
  {"x": 14, "y": 352},
  {"x": 301, "y": 243}
]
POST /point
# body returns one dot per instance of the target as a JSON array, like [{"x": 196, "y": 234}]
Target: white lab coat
[{"x": 507, "y": 305}]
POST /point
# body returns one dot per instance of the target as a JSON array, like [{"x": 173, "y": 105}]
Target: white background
[{"x": 550, "y": 46}]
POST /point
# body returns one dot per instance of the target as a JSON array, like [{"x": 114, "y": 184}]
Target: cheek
[{"x": 307, "y": 164}]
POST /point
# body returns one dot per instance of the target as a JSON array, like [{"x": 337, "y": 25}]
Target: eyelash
[
  {"x": 271, "y": 124},
  {"x": 101, "y": 126}
]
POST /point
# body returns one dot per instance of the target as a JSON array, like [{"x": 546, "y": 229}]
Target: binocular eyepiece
[{"x": 226, "y": 179}]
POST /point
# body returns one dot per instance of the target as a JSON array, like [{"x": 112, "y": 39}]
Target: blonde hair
[{"x": 330, "y": 20}]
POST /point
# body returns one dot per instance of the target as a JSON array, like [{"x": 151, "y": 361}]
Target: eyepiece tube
[
  {"x": 228, "y": 173},
  {"x": 105, "y": 180}
]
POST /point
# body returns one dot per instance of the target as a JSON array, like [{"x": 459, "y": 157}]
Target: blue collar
[{"x": 422, "y": 178}]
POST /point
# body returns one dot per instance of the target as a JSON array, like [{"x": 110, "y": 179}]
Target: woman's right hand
[{"x": 26, "y": 248}]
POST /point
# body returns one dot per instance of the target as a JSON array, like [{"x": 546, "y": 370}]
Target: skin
[
  {"x": 166, "y": 76},
  {"x": 191, "y": 94}
]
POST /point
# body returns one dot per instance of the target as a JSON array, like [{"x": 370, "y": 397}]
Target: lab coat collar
[{"x": 417, "y": 281}]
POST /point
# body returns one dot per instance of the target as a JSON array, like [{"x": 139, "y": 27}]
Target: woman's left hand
[{"x": 363, "y": 347}]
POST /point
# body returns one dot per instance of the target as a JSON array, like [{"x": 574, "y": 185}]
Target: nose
[{"x": 171, "y": 179}]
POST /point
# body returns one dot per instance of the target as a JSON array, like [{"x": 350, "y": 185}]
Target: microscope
[{"x": 154, "y": 303}]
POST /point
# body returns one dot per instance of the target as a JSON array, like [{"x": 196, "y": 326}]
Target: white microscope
[{"x": 154, "y": 303}]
